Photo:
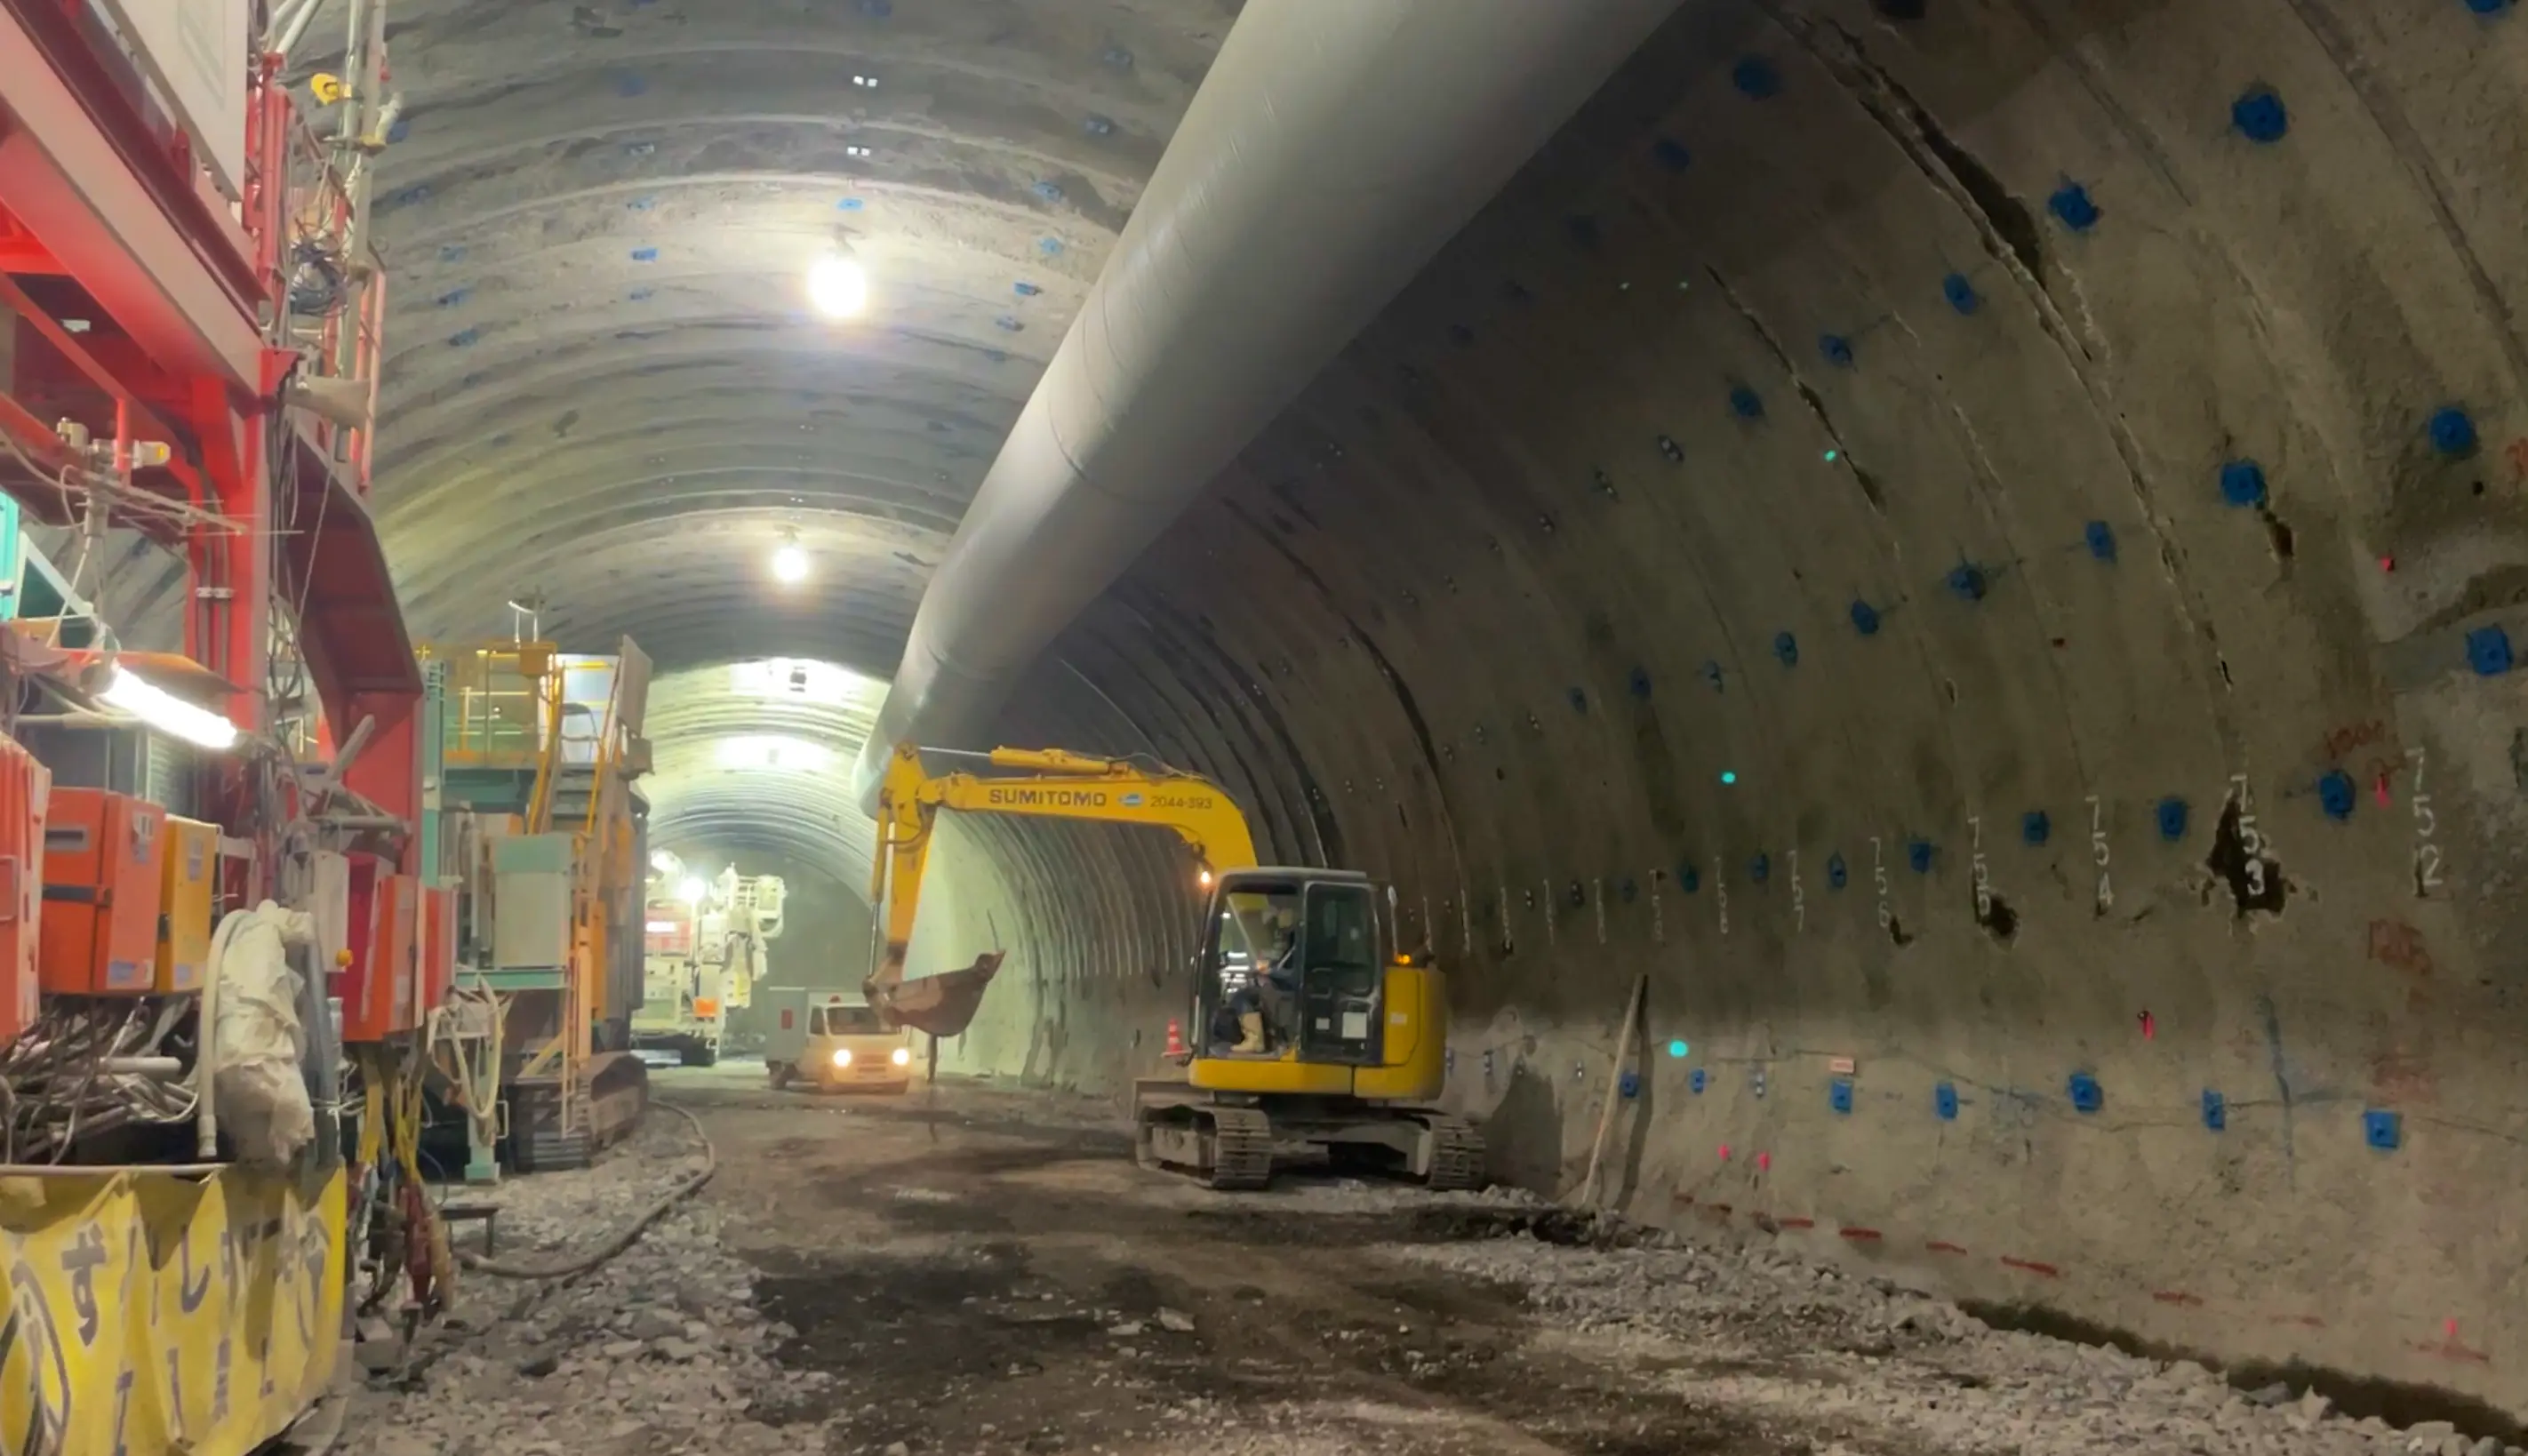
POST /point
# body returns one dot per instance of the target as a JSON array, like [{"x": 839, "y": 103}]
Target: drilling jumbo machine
[
  {"x": 1311, "y": 1028},
  {"x": 704, "y": 949}
]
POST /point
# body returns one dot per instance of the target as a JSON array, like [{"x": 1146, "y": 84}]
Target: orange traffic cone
[{"x": 1176, "y": 1041}]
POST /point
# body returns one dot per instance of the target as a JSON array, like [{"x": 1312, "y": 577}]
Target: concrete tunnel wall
[{"x": 2065, "y": 462}]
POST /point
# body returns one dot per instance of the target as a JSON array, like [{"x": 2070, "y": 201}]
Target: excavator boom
[{"x": 1030, "y": 783}]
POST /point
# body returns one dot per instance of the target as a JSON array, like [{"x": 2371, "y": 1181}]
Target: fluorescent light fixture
[
  {"x": 662, "y": 927},
  {"x": 165, "y": 711},
  {"x": 790, "y": 563},
  {"x": 837, "y": 286}
]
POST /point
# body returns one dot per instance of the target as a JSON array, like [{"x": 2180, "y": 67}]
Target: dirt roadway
[
  {"x": 979, "y": 1272},
  {"x": 983, "y": 1270}
]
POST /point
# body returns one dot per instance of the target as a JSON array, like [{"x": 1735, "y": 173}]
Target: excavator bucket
[{"x": 940, "y": 1005}]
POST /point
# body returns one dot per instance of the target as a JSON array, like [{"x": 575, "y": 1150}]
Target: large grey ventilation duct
[{"x": 1334, "y": 147}]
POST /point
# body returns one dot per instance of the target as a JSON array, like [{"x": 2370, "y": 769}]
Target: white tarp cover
[{"x": 262, "y": 1099}]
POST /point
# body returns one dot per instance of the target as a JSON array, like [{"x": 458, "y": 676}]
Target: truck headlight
[
  {"x": 842, "y": 1055},
  {"x": 903, "y": 1056}
]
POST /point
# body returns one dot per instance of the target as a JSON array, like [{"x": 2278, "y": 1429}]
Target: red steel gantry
[{"x": 149, "y": 308}]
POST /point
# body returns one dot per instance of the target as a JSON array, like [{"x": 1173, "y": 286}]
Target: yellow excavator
[{"x": 1309, "y": 1028}]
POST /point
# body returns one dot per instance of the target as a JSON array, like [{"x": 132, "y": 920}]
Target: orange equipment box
[
  {"x": 668, "y": 928},
  {"x": 359, "y": 939},
  {"x": 438, "y": 968},
  {"x": 103, "y": 874},
  {"x": 185, "y": 906},
  {"x": 377, "y": 987},
  {"x": 26, "y": 788}
]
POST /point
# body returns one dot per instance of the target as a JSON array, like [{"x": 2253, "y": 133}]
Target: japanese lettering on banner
[{"x": 151, "y": 1313}]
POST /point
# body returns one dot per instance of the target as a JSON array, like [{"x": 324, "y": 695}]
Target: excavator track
[
  {"x": 1226, "y": 1147},
  {"x": 1242, "y": 1148},
  {"x": 1457, "y": 1152}
]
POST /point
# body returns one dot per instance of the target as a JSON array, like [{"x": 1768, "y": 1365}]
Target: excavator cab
[{"x": 1291, "y": 967}]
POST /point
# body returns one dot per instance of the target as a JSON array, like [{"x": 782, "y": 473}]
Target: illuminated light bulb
[
  {"x": 1728, "y": 775},
  {"x": 837, "y": 286},
  {"x": 691, "y": 891},
  {"x": 1203, "y": 879},
  {"x": 790, "y": 563},
  {"x": 163, "y": 711},
  {"x": 1678, "y": 1049}
]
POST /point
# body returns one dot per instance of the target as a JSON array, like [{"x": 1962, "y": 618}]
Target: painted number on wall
[
  {"x": 1879, "y": 877},
  {"x": 2427, "y": 854},
  {"x": 1983, "y": 872},
  {"x": 2098, "y": 853},
  {"x": 2251, "y": 843}
]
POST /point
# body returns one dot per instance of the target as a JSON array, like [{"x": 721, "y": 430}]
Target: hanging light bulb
[
  {"x": 837, "y": 286},
  {"x": 790, "y": 562}
]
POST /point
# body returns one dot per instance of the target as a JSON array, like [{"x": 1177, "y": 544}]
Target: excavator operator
[{"x": 1271, "y": 993}]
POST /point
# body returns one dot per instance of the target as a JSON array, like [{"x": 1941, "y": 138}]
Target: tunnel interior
[{"x": 1968, "y": 546}]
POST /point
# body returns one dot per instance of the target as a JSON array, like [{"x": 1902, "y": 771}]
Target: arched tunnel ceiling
[
  {"x": 604, "y": 385},
  {"x": 751, "y": 758}
]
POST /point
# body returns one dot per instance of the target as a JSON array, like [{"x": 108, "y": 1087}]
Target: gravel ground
[
  {"x": 661, "y": 1349},
  {"x": 979, "y": 1284},
  {"x": 1775, "y": 1339}
]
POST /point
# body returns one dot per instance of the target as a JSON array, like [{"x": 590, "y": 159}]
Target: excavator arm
[{"x": 1027, "y": 783}]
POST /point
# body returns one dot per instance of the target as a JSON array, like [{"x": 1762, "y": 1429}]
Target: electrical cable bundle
[
  {"x": 390, "y": 1150},
  {"x": 88, "y": 1067}
]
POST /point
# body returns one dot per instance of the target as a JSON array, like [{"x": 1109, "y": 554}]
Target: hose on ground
[{"x": 631, "y": 1233}]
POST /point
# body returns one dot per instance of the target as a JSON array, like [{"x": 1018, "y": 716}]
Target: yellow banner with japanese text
[{"x": 152, "y": 1313}]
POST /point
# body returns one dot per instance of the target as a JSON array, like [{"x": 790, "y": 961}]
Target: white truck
[{"x": 704, "y": 949}]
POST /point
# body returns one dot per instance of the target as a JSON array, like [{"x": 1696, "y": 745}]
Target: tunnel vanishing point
[{"x": 1978, "y": 544}]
